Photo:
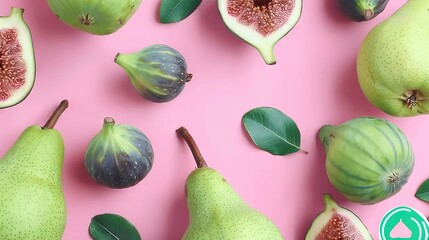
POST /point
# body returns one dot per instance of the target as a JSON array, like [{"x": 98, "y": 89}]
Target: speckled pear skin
[
  {"x": 216, "y": 211},
  {"x": 393, "y": 63},
  {"x": 32, "y": 205}
]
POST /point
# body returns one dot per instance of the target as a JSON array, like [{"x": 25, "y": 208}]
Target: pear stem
[
  {"x": 56, "y": 114},
  {"x": 183, "y": 132}
]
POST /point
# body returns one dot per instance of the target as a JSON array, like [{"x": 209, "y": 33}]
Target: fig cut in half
[
  {"x": 17, "y": 63},
  {"x": 336, "y": 222},
  {"x": 261, "y": 23}
]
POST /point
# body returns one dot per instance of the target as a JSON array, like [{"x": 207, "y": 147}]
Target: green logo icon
[{"x": 412, "y": 223}]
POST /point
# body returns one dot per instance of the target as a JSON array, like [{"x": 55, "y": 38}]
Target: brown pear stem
[
  {"x": 56, "y": 114},
  {"x": 183, "y": 132}
]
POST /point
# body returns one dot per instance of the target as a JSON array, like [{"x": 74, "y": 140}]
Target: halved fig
[
  {"x": 337, "y": 223},
  {"x": 17, "y": 63},
  {"x": 261, "y": 23}
]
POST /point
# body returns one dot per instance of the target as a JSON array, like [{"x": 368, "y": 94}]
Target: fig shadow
[
  {"x": 177, "y": 218},
  {"x": 334, "y": 13},
  {"x": 45, "y": 21},
  {"x": 214, "y": 28},
  {"x": 120, "y": 86}
]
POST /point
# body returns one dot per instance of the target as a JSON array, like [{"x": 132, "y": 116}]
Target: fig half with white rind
[
  {"x": 336, "y": 222},
  {"x": 261, "y": 23},
  {"x": 98, "y": 17},
  {"x": 17, "y": 62}
]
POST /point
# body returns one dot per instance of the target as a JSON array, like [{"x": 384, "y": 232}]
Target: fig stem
[
  {"x": 268, "y": 55},
  {"x": 183, "y": 132},
  {"x": 56, "y": 114},
  {"x": 369, "y": 14},
  {"x": 116, "y": 57},
  {"x": 109, "y": 120},
  {"x": 324, "y": 132},
  {"x": 189, "y": 77},
  {"x": 329, "y": 202}
]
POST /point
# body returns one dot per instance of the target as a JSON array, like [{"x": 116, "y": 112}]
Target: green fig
[
  {"x": 32, "y": 205},
  {"x": 99, "y": 17},
  {"x": 368, "y": 159},
  {"x": 216, "y": 211},
  {"x": 392, "y": 64},
  {"x": 157, "y": 72}
]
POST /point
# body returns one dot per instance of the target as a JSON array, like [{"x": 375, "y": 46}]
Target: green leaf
[
  {"x": 112, "y": 227},
  {"x": 272, "y": 131},
  {"x": 423, "y": 191},
  {"x": 176, "y": 10}
]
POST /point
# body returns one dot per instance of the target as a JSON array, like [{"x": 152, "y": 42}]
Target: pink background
[{"x": 314, "y": 82}]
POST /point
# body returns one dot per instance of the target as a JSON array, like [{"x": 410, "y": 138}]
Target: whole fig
[
  {"x": 119, "y": 156},
  {"x": 361, "y": 10},
  {"x": 158, "y": 72},
  {"x": 367, "y": 159},
  {"x": 99, "y": 17}
]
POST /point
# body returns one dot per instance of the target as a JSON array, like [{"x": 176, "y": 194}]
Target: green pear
[
  {"x": 216, "y": 211},
  {"x": 393, "y": 63},
  {"x": 32, "y": 205}
]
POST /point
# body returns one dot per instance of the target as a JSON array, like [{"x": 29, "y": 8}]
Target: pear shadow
[
  {"x": 76, "y": 168},
  {"x": 350, "y": 93},
  {"x": 178, "y": 216},
  {"x": 214, "y": 28},
  {"x": 318, "y": 185},
  {"x": 176, "y": 219}
]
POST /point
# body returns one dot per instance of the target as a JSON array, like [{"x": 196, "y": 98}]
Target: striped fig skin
[
  {"x": 119, "y": 156},
  {"x": 367, "y": 159},
  {"x": 98, "y": 17},
  {"x": 158, "y": 72}
]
